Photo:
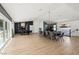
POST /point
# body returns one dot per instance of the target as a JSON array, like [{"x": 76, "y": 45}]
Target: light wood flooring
[{"x": 35, "y": 44}]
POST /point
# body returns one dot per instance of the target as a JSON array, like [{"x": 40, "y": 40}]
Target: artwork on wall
[
  {"x": 23, "y": 25},
  {"x": 63, "y": 26}
]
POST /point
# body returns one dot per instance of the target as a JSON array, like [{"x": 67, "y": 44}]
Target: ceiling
[{"x": 30, "y": 11}]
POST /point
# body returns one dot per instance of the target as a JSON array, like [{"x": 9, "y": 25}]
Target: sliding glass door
[
  {"x": 5, "y": 32},
  {"x": 1, "y": 32}
]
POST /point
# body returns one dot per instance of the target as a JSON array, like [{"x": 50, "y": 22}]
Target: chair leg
[
  {"x": 62, "y": 40},
  {"x": 57, "y": 38},
  {"x": 51, "y": 37}
]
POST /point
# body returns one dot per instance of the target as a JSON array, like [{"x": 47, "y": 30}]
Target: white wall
[{"x": 38, "y": 23}]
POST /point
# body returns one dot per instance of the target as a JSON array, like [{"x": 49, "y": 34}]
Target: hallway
[{"x": 35, "y": 44}]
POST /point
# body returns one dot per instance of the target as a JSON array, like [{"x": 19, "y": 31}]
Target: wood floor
[{"x": 35, "y": 44}]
